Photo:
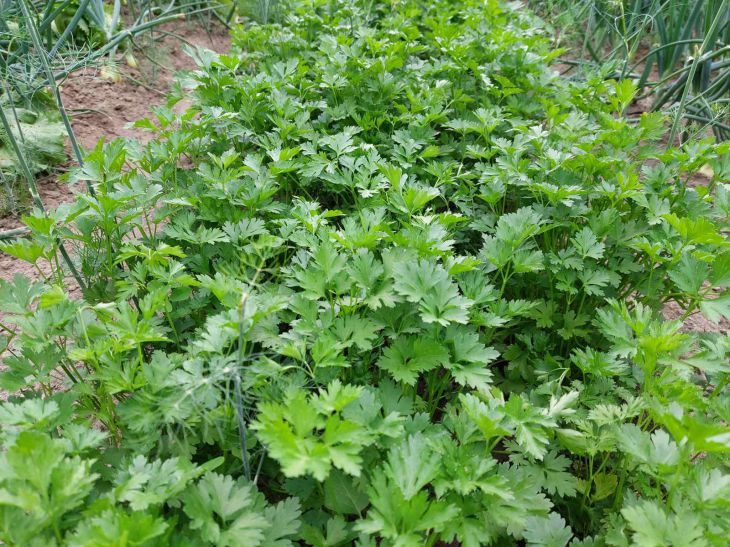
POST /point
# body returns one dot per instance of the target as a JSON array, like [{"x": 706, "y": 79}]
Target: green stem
[
  {"x": 242, "y": 430},
  {"x": 117, "y": 39},
  {"x": 618, "y": 498},
  {"x": 38, "y": 45},
  {"x": 34, "y": 192},
  {"x": 693, "y": 69},
  {"x": 69, "y": 28},
  {"x": 7, "y": 329}
]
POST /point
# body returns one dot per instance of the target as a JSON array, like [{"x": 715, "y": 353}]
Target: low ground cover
[{"x": 389, "y": 280}]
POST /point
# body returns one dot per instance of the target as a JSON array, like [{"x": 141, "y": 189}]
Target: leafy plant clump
[{"x": 388, "y": 281}]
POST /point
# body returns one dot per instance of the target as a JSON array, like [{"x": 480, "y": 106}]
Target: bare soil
[
  {"x": 104, "y": 108},
  {"x": 695, "y": 322}
]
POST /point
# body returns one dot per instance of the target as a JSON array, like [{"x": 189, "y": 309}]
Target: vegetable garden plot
[{"x": 389, "y": 281}]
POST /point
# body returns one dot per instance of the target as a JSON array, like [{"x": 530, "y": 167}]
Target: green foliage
[
  {"x": 389, "y": 280},
  {"x": 43, "y": 139},
  {"x": 676, "y": 48}
]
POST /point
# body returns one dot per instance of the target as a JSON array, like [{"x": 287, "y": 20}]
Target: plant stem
[
  {"x": 237, "y": 386},
  {"x": 693, "y": 70},
  {"x": 38, "y": 45},
  {"x": 34, "y": 192}
]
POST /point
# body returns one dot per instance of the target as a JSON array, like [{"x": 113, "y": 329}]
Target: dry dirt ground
[{"x": 103, "y": 108}]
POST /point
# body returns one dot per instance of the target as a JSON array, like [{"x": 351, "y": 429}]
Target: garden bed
[{"x": 388, "y": 279}]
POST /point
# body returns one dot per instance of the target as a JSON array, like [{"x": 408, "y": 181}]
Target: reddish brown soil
[
  {"x": 695, "y": 322},
  {"x": 105, "y": 108}
]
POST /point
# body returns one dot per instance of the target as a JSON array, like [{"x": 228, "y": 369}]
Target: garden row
[{"x": 389, "y": 280}]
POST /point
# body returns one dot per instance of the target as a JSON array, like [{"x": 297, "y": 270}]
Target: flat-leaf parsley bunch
[{"x": 389, "y": 280}]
